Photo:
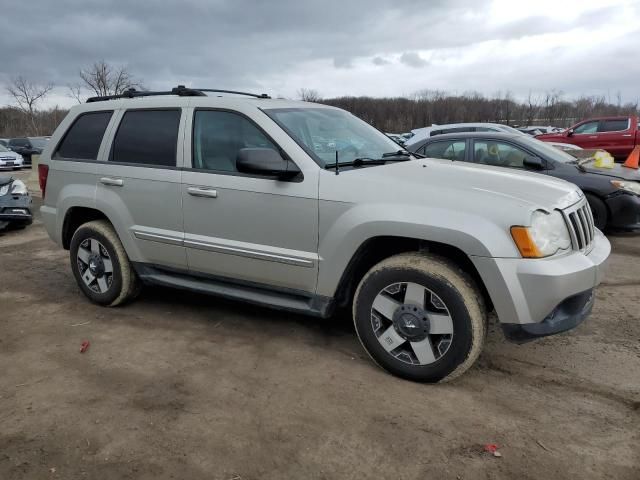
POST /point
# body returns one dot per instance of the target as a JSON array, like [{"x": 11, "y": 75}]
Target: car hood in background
[{"x": 618, "y": 171}]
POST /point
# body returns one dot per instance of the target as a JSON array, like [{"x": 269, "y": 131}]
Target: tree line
[
  {"x": 429, "y": 107},
  {"x": 399, "y": 114}
]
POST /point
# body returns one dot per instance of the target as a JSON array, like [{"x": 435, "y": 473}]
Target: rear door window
[
  {"x": 147, "y": 137},
  {"x": 82, "y": 140},
  {"x": 618, "y": 125}
]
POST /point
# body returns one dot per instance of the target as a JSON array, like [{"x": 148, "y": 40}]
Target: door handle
[
  {"x": 627, "y": 135},
  {"x": 593, "y": 136},
  {"x": 114, "y": 182},
  {"x": 202, "y": 192}
]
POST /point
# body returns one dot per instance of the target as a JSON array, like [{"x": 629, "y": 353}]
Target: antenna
[{"x": 337, "y": 171}]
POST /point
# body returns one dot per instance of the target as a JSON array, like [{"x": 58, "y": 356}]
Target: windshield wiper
[
  {"x": 397, "y": 153},
  {"x": 358, "y": 162}
]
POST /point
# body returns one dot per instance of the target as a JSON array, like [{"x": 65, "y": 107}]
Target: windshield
[
  {"x": 3, "y": 148},
  {"x": 38, "y": 142},
  {"x": 322, "y": 132},
  {"x": 549, "y": 150}
]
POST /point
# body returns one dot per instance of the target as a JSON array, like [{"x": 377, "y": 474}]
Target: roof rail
[
  {"x": 180, "y": 90},
  {"x": 257, "y": 95}
]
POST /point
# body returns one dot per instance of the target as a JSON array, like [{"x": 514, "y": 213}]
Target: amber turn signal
[{"x": 525, "y": 243}]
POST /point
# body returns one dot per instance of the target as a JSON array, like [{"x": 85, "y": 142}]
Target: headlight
[
  {"x": 633, "y": 187},
  {"x": 4, "y": 189},
  {"x": 19, "y": 188},
  {"x": 547, "y": 234}
]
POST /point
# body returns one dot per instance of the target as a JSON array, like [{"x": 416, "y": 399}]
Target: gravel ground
[{"x": 179, "y": 385}]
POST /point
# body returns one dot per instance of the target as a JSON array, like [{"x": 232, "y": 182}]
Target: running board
[{"x": 281, "y": 299}]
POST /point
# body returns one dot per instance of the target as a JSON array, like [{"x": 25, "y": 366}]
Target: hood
[
  {"x": 455, "y": 186},
  {"x": 10, "y": 154},
  {"x": 618, "y": 171}
]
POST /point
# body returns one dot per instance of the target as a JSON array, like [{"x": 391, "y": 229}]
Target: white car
[
  {"x": 420, "y": 134},
  {"x": 10, "y": 160}
]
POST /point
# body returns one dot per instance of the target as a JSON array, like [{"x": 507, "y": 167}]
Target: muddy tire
[
  {"x": 101, "y": 266},
  {"x": 420, "y": 317},
  {"x": 599, "y": 211}
]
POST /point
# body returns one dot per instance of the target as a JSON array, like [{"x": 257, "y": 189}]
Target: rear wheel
[
  {"x": 420, "y": 317},
  {"x": 101, "y": 266},
  {"x": 599, "y": 210}
]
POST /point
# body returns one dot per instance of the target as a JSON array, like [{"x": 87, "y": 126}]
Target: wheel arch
[
  {"x": 74, "y": 218},
  {"x": 375, "y": 249}
]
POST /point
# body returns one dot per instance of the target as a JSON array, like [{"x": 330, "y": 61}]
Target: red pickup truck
[{"x": 617, "y": 135}]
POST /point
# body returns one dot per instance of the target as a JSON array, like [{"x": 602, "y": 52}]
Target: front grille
[{"x": 580, "y": 222}]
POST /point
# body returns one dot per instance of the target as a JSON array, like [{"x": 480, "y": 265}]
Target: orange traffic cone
[{"x": 633, "y": 159}]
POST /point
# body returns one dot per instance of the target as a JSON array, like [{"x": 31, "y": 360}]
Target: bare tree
[
  {"x": 104, "y": 79},
  {"x": 309, "y": 95},
  {"x": 27, "y": 95},
  {"x": 75, "y": 92}
]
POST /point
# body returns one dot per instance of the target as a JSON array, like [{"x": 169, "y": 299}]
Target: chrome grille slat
[
  {"x": 585, "y": 225},
  {"x": 579, "y": 219}
]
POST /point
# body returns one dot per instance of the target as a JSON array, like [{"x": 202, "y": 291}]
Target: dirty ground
[{"x": 184, "y": 386}]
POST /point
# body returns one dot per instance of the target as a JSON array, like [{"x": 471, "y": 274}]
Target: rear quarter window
[{"x": 82, "y": 140}]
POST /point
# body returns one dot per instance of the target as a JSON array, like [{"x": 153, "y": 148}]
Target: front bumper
[
  {"x": 624, "y": 211},
  {"x": 16, "y": 208},
  {"x": 548, "y": 295}
]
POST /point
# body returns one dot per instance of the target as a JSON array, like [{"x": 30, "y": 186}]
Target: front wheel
[
  {"x": 101, "y": 266},
  {"x": 420, "y": 317},
  {"x": 599, "y": 211}
]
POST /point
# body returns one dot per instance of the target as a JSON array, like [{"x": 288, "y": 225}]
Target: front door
[
  {"x": 585, "y": 135},
  {"x": 247, "y": 228}
]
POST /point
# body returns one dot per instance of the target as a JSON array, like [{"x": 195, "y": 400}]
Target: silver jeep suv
[{"x": 306, "y": 208}]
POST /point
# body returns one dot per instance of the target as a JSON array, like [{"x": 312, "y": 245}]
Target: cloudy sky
[{"x": 337, "y": 47}]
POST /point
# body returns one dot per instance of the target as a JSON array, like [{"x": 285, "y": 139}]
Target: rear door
[
  {"x": 138, "y": 186},
  {"x": 248, "y": 228},
  {"x": 616, "y": 136}
]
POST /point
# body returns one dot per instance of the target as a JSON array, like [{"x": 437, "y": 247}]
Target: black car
[
  {"x": 15, "y": 203},
  {"x": 613, "y": 193},
  {"x": 27, "y": 146}
]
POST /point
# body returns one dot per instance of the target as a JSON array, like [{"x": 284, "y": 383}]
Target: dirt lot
[{"x": 186, "y": 386}]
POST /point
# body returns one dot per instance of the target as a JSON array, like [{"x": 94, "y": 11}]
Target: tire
[
  {"x": 121, "y": 282},
  {"x": 599, "y": 210},
  {"x": 451, "y": 303}
]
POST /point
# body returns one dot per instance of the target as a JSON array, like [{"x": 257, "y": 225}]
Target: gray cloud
[
  {"x": 379, "y": 61},
  {"x": 413, "y": 59},
  {"x": 251, "y": 44}
]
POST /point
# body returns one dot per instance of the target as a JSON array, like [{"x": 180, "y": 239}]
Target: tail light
[{"x": 43, "y": 173}]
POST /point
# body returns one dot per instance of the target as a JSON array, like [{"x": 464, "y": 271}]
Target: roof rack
[{"x": 180, "y": 90}]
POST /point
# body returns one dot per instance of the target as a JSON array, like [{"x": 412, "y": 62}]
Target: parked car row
[
  {"x": 613, "y": 193},
  {"x": 25, "y": 147}
]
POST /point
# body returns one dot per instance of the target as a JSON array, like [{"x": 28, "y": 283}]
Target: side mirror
[
  {"x": 533, "y": 163},
  {"x": 265, "y": 161},
  {"x": 570, "y": 132}
]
